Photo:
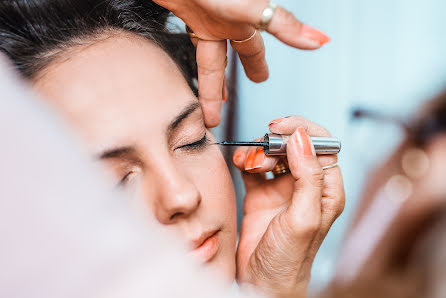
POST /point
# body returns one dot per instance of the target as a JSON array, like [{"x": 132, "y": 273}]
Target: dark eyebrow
[
  {"x": 127, "y": 151},
  {"x": 182, "y": 116},
  {"x": 117, "y": 153}
]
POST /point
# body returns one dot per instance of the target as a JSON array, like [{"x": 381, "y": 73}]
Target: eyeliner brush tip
[{"x": 258, "y": 144}]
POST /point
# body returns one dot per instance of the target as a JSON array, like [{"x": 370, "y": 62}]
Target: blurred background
[{"x": 387, "y": 56}]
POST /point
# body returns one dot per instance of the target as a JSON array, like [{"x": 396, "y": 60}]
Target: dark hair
[{"x": 35, "y": 32}]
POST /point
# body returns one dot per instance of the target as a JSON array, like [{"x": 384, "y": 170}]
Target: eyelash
[{"x": 198, "y": 145}]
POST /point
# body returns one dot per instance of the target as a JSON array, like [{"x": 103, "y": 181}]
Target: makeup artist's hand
[
  {"x": 214, "y": 21},
  {"x": 286, "y": 218}
]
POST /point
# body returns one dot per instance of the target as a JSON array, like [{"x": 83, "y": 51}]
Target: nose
[{"x": 177, "y": 196}]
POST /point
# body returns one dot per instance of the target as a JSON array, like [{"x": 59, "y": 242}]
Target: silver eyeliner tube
[{"x": 276, "y": 145}]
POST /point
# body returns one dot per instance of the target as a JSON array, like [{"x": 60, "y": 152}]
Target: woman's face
[{"x": 130, "y": 103}]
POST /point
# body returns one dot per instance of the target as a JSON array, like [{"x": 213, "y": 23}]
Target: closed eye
[
  {"x": 200, "y": 144},
  {"x": 124, "y": 180}
]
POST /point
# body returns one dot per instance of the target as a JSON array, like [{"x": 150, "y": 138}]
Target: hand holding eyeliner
[{"x": 275, "y": 144}]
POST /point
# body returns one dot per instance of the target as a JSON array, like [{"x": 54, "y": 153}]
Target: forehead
[{"x": 123, "y": 82}]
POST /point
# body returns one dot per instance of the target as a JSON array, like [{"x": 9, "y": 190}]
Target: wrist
[
  {"x": 278, "y": 286},
  {"x": 274, "y": 291}
]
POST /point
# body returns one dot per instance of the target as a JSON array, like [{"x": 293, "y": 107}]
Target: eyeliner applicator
[
  {"x": 275, "y": 144},
  {"x": 243, "y": 144}
]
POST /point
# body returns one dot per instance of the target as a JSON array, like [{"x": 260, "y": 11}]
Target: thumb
[{"x": 303, "y": 217}]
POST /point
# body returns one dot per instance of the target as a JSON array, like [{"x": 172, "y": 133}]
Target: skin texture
[
  {"x": 116, "y": 100},
  {"x": 123, "y": 96}
]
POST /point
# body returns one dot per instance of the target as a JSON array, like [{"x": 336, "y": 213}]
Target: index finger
[
  {"x": 211, "y": 64},
  {"x": 288, "y": 125}
]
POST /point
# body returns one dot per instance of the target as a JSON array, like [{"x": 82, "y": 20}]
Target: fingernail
[
  {"x": 314, "y": 34},
  {"x": 250, "y": 160},
  {"x": 259, "y": 158},
  {"x": 304, "y": 144},
  {"x": 277, "y": 121}
]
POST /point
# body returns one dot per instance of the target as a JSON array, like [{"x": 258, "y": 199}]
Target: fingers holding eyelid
[{"x": 211, "y": 63}]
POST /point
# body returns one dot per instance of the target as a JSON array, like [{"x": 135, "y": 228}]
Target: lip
[{"x": 206, "y": 246}]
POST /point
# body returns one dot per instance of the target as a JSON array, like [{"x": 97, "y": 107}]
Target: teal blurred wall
[{"x": 385, "y": 54}]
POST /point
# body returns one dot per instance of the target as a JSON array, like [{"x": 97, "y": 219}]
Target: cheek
[{"x": 210, "y": 174}]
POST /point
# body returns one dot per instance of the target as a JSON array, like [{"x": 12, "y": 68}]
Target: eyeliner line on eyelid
[
  {"x": 123, "y": 181},
  {"x": 196, "y": 145}
]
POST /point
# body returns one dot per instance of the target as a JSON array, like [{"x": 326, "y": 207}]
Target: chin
[{"x": 224, "y": 266}]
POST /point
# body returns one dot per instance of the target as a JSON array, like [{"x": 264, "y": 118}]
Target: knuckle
[
  {"x": 311, "y": 227},
  {"x": 340, "y": 206},
  {"x": 333, "y": 211},
  {"x": 299, "y": 119},
  {"x": 310, "y": 126},
  {"x": 327, "y": 160},
  {"x": 307, "y": 227},
  {"x": 314, "y": 177},
  {"x": 334, "y": 204},
  {"x": 288, "y": 17},
  {"x": 317, "y": 130},
  {"x": 209, "y": 69},
  {"x": 317, "y": 177},
  {"x": 207, "y": 103},
  {"x": 323, "y": 131},
  {"x": 259, "y": 52}
]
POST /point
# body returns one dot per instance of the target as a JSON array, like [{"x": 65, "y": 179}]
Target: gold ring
[
  {"x": 193, "y": 35},
  {"x": 281, "y": 168},
  {"x": 267, "y": 16},
  {"x": 245, "y": 40},
  {"x": 190, "y": 32},
  {"x": 330, "y": 166}
]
